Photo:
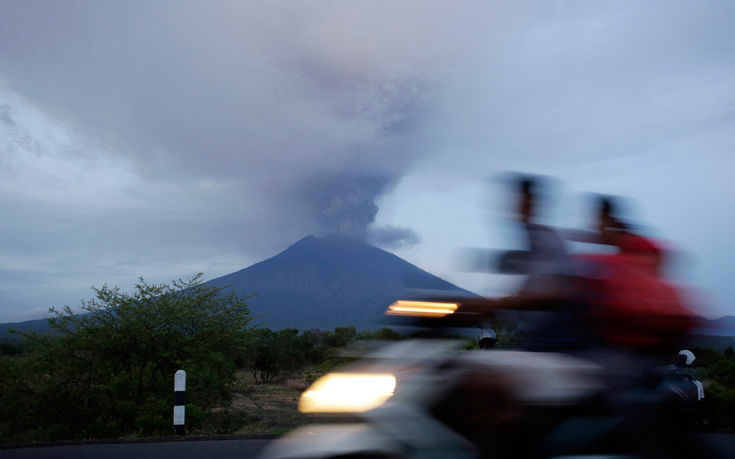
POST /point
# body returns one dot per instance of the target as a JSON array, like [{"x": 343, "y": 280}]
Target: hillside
[
  {"x": 328, "y": 282},
  {"x": 724, "y": 326},
  {"x": 38, "y": 326},
  {"x": 336, "y": 281}
]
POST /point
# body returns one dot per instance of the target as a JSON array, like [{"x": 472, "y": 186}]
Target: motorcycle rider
[
  {"x": 557, "y": 320},
  {"x": 683, "y": 394}
]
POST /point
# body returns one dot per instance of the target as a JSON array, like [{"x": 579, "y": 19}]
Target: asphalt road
[
  {"x": 723, "y": 445},
  {"x": 173, "y": 449}
]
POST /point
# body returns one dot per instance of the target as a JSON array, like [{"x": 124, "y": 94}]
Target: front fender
[{"x": 330, "y": 440}]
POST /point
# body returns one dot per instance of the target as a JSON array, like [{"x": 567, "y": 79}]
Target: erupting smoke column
[{"x": 345, "y": 205}]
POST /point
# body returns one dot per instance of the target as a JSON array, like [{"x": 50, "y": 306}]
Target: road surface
[
  {"x": 221, "y": 448},
  {"x": 238, "y": 448}
]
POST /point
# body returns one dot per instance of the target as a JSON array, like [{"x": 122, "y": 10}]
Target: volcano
[{"x": 327, "y": 282}]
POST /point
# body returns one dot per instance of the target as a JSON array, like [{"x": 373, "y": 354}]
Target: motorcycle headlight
[{"x": 347, "y": 393}]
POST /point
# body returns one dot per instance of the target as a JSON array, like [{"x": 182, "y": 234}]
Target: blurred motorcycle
[{"x": 425, "y": 398}]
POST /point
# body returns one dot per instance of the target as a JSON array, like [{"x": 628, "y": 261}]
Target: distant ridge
[
  {"x": 318, "y": 282},
  {"x": 38, "y": 326},
  {"x": 337, "y": 281},
  {"x": 329, "y": 282},
  {"x": 724, "y": 326}
]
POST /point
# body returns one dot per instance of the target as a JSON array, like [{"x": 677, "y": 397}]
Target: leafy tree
[
  {"x": 108, "y": 371},
  {"x": 261, "y": 355},
  {"x": 8, "y": 347},
  {"x": 383, "y": 334},
  {"x": 729, "y": 353},
  {"x": 314, "y": 348},
  {"x": 274, "y": 354},
  {"x": 271, "y": 355},
  {"x": 341, "y": 336},
  {"x": 717, "y": 372}
]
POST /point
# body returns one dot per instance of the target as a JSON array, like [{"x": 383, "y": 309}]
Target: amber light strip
[{"x": 421, "y": 308}]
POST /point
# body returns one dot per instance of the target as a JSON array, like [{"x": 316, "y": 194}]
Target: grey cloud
[
  {"x": 585, "y": 83},
  {"x": 394, "y": 237},
  {"x": 276, "y": 97},
  {"x": 243, "y": 126}
]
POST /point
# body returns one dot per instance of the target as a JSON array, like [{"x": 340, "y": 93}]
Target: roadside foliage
[{"x": 107, "y": 371}]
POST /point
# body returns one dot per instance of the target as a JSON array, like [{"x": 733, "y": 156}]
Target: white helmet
[{"x": 687, "y": 355}]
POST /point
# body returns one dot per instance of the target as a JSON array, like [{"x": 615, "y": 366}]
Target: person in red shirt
[{"x": 631, "y": 303}]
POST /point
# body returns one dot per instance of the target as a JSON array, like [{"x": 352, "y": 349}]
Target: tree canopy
[{"x": 108, "y": 370}]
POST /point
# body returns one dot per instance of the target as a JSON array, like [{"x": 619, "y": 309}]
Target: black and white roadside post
[{"x": 179, "y": 401}]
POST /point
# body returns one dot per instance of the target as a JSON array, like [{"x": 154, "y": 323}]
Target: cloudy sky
[{"x": 161, "y": 139}]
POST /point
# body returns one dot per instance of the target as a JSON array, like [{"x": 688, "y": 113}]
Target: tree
[
  {"x": 729, "y": 353},
  {"x": 108, "y": 371},
  {"x": 341, "y": 336},
  {"x": 272, "y": 354},
  {"x": 384, "y": 334}
]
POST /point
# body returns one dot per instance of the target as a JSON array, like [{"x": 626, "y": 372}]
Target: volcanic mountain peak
[{"x": 324, "y": 282}]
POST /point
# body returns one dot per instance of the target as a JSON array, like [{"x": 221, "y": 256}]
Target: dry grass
[{"x": 271, "y": 409}]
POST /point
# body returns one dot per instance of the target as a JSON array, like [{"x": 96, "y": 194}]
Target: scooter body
[{"x": 443, "y": 398}]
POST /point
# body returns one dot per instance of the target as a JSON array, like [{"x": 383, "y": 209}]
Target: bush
[
  {"x": 272, "y": 354},
  {"x": 108, "y": 372},
  {"x": 384, "y": 334}
]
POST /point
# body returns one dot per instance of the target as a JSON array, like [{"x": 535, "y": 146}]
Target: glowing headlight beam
[
  {"x": 347, "y": 393},
  {"x": 421, "y": 308}
]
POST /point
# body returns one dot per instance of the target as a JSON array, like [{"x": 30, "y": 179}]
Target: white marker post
[{"x": 179, "y": 401}]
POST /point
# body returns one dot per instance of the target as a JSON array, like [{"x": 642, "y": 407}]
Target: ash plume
[
  {"x": 394, "y": 237},
  {"x": 344, "y": 205}
]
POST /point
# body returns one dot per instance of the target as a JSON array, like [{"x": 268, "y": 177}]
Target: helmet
[
  {"x": 686, "y": 357},
  {"x": 488, "y": 339}
]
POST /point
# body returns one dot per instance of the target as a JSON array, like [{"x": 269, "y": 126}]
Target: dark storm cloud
[{"x": 271, "y": 99}]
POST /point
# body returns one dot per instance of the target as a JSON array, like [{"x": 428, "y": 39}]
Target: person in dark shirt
[{"x": 556, "y": 320}]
